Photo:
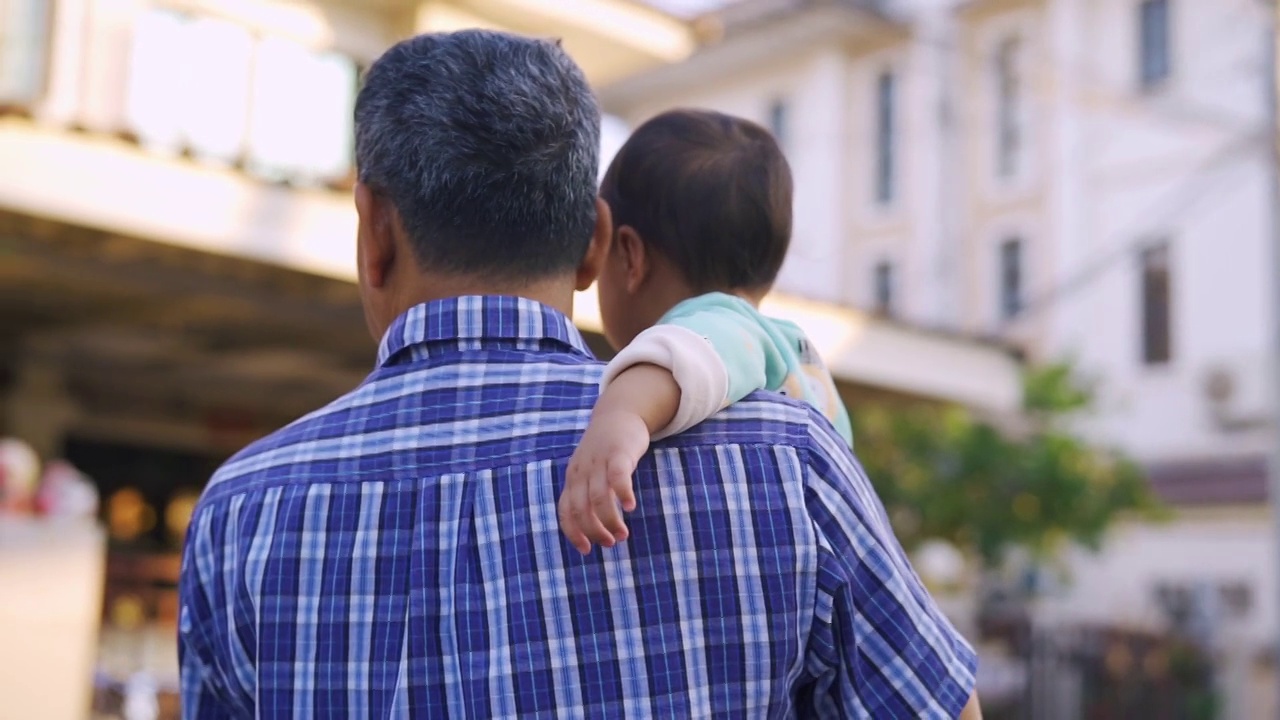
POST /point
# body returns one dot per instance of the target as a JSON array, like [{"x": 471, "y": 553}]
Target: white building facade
[{"x": 1084, "y": 178}]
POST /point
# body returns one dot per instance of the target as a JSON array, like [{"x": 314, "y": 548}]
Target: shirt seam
[{"x": 217, "y": 496}]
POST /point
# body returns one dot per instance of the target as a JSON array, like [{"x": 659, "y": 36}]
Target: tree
[{"x": 945, "y": 474}]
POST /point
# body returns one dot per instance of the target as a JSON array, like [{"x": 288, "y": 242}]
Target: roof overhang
[
  {"x": 754, "y": 34},
  {"x": 1207, "y": 482},
  {"x": 972, "y": 9},
  {"x": 610, "y": 39},
  {"x": 110, "y": 185}
]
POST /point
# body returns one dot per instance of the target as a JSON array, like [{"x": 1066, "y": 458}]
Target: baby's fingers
[
  {"x": 604, "y": 509},
  {"x": 570, "y": 526},
  {"x": 619, "y": 472}
]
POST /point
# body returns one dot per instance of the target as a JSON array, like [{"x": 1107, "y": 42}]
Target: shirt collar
[{"x": 475, "y": 322}]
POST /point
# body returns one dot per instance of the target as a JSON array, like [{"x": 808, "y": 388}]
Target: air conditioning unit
[{"x": 1239, "y": 393}]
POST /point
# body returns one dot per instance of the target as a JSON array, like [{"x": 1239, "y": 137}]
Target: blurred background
[{"x": 1034, "y": 240}]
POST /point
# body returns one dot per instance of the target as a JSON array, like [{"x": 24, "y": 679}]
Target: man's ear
[
  {"x": 637, "y": 262},
  {"x": 375, "y": 236},
  {"x": 598, "y": 251}
]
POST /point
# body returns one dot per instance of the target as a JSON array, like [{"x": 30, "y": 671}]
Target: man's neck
[{"x": 555, "y": 292}]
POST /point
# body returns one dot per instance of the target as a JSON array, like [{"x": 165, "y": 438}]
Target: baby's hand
[{"x": 599, "y": 480}]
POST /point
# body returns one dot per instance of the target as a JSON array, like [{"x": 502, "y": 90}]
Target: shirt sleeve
[
  {"x": 717, "y": 355},
  {"x": 696, "y": 366},
  {"x": 199, "y": 700},
  {"x": 204, "y": 692},
  {"x": 880, "y": 647}
]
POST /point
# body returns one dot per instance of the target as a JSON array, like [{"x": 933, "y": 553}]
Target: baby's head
[{"x": 701, "y": 203}]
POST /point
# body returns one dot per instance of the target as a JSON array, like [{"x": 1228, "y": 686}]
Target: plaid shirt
[{"x": 397, "y": 555}]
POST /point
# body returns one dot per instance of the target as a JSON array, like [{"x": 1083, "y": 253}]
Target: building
[
  {"x": 176, "y": 245},
  {"x": 1086, "y": 179}
]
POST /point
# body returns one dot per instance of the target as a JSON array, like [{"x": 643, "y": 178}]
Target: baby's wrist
[
  {"x": 618, "y": 416},
  {"x": 620, "y": 428}
]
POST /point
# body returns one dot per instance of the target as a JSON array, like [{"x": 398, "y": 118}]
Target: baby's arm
[
  {"x": 670, "y": 378},
  {"x": 640, "y": 401}
]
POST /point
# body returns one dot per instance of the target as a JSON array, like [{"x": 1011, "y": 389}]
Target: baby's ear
[{"x": 636, "y": 262}]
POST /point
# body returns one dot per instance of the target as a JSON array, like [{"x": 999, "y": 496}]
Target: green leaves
[
  {"x": 1054, "y": 390},
  {"x": 944, "y": 474}
]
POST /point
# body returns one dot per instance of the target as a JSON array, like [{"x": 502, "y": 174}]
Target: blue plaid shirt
[{"x": 397, "y": 555}]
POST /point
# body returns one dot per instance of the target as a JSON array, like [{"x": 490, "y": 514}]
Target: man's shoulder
[
  {"x": 796, "y": 434},
  {"x": 761, "y": 418},
  {"x": 253, "y": 462},
  {"x": 395, "y": 410}
]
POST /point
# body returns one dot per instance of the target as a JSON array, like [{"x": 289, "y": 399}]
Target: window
[
  {"x": 211, "y": 87},
  {"x": 1008, "y": 107},
  {"x": 157, "y": 75},
  {"x": 302, "y": 121},
  {"x": 1157, "y": 345},
  {"x": 885, "y": 119},
  {"x": 215, "y": 99},
  {"x": 1011, "y": 290},
  {"x": 778, "y": 121},
  {"x": 883, "y": 284},
  {"x": 24, "y": 50},
  {"x": 1153, "y": 42}
]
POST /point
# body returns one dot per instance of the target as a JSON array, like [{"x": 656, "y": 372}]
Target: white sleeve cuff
[{"x": 692, "y": 360}]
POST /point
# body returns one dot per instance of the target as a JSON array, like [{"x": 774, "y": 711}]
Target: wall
[
  {"x": 1154, "y": 167},
  {"x": 1106, "y": 166},
  {"x": 1004, "y": 207},
  {"x": 1223, "y": 547}
]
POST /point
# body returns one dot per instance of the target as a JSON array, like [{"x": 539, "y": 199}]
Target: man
[{"x": 396, "y": 554}]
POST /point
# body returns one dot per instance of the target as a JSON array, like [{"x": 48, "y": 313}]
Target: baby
[{"x": 701, "y": 208}]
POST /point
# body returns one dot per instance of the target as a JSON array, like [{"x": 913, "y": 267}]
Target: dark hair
[
  {"x": 710, "y": 192},
  {"x": 488, "y": 146}
]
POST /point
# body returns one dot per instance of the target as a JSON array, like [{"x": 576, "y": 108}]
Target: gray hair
[{"x": 488, "y": 146}]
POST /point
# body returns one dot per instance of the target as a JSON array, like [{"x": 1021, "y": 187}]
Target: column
[{"x": 39, "y": 409}]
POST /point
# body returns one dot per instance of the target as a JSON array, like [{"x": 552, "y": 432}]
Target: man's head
[
  {"x": 701, "y": 202},
  {"x": 477, "y": 155}
]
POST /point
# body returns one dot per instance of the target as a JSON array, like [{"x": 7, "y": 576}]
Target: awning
[{"x": 610, "y": 39}]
